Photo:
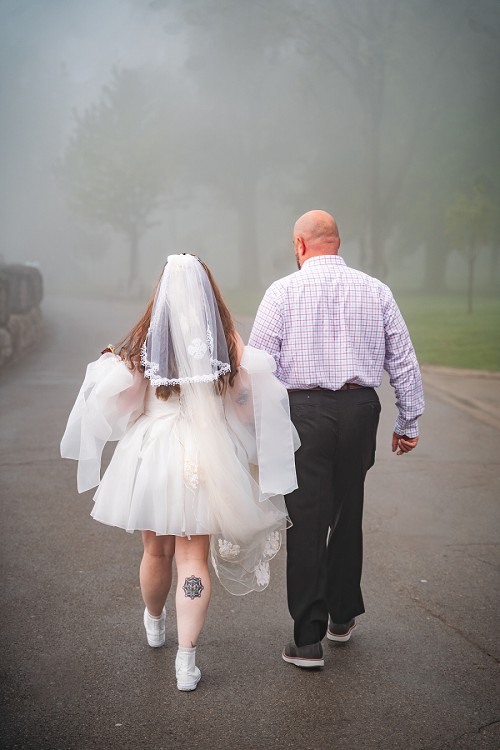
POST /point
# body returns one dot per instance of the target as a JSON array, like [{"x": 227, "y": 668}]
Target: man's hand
[{"x": 403, "y": 444}]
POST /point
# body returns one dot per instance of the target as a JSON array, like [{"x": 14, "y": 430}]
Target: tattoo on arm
[
  {"x": 193, "y": 587},
  {"x": 242, "y": 397}
]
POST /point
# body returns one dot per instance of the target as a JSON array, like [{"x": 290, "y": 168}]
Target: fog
[{"x": 133, "y": 129}]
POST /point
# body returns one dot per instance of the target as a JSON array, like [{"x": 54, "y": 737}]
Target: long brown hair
[{"x": 129, "y": 348}]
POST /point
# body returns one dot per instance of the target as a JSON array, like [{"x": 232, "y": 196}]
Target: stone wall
[{"x": 21, "y": 292}]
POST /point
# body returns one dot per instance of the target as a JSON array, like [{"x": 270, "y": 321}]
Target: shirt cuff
[{"x": 408, "y": 427}]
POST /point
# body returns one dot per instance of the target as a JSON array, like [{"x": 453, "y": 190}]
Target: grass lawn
[{"x": 442, "y": 331}]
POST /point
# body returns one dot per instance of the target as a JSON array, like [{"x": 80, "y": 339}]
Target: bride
[{"x": 205, "y": 452}]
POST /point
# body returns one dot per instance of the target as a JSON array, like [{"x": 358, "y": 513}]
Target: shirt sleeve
[
  {"x": 267, "y": 331},
  {"x": 402, "y": 366}
]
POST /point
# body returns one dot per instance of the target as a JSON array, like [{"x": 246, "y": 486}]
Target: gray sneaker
[
  {"x": 304, "y": 656},
  {"x": 340, "y": 632}
]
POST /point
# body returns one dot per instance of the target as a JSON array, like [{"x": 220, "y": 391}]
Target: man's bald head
[{"x": 315, "y": 233}]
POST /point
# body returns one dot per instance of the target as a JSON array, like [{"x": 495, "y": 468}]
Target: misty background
[{"x": 134, "y": 129}]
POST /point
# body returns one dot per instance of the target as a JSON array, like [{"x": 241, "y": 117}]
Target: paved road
[
  {"x": 420, "y": 673},
  {"x": 475, "y": 392}
]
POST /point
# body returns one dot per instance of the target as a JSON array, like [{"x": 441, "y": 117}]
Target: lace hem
[{"x": 151, "y": 370}]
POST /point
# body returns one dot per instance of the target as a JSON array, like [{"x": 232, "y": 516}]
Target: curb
[
  {"x": 459, "y": 372},
  {"x": 486, "y": 412}
]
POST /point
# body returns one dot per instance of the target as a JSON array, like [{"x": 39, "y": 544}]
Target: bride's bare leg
[
  {"x": 155, "y": 573},
  {"x": 193, "y": 587}
]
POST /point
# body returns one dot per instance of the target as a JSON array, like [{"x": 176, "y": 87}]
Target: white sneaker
[
  {"x": 155, "y": 628},
  {"x": 187, "y": 673}
]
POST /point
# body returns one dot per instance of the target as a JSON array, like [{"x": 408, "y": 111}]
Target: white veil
[{"x": 185, "y": 341}]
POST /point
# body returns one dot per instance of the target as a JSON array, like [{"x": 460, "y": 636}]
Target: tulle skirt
[
  {"x": 144, "y": 487},
  {"x": 198, "y": 463},
  {"x": 164, "y": 478}
]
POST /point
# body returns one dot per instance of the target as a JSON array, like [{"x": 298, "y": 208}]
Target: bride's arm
[
  {"x": 258, "y": 412},
  {"x": 132, "y": 399},
  {"x": 239, "y": 393},
  {"x": 240, "y": 345}
]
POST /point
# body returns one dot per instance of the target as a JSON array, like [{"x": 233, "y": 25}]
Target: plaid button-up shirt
[{"x": 329, "y": 324}]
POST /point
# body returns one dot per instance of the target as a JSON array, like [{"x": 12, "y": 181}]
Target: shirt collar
[{"x": 324, "y": 260}]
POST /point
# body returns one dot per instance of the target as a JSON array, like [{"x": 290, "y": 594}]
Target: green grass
[{"x": 443, "y": 333}]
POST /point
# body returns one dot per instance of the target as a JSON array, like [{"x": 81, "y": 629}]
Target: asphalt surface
[{"x": 420, "y": 672}]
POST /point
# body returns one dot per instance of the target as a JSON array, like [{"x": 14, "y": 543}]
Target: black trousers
[{"x": 325, "y": 544}]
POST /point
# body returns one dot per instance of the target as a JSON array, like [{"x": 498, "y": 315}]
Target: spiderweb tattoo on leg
[{"x": 193, "y": 587}]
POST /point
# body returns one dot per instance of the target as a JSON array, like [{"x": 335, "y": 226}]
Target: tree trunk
[
  {"x": 493, "y": 282},
  {"x": 436, "y": 259},
  {"x": 470, "y": 285}
]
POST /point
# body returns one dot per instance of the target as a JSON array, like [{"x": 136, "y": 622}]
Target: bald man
[{"x": 332, "y": 330}]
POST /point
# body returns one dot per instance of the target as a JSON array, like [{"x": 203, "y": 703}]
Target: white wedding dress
[{"x": 172, "y": 473}]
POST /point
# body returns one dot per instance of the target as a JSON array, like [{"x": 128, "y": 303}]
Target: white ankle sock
[
  {"x": 154, "y": 617},
  {"x": 186, "y": 650}
]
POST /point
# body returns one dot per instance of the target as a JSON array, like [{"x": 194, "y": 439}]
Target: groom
[{"x": 332, "y": 330}]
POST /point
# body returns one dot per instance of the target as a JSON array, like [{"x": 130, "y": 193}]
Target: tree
[
  {"x": 471, "y": 223},
  {"x": 461, "y": 139},
  {"x": 361, "y": 83},
  {"x": 115, "y": 168},
  {"x": 395, "y": 58},
  {"x": 392, "y": 56},
  {"x": 242, "y": 132}
]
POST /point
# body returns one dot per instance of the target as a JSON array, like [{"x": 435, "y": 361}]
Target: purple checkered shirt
[{"x": 329, "y": 324}]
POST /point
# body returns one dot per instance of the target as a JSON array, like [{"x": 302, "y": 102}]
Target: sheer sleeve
[
  {"x": 111, "y": 398},
  {"x": 258, "y": 413}
]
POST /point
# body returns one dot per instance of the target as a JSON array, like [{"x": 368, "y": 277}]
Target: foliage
[
  {"x": 391, "y": 55},
  {"x": 115, "y": 169},
  {"x": 471, "y": 223},
  {"x": 378, "y": 110},
  {"x": 243, "y": 132},
  {"x": 462, "y": 140}
]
